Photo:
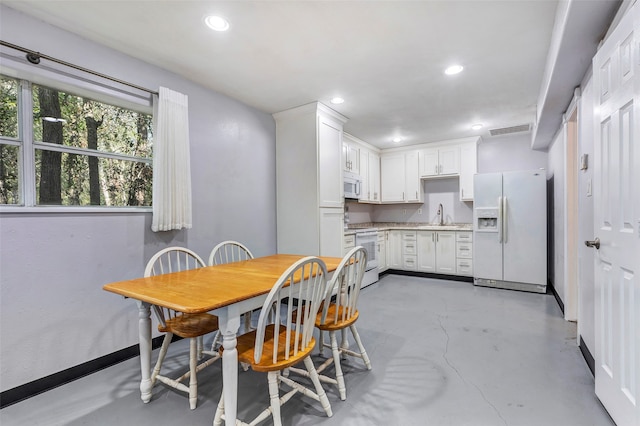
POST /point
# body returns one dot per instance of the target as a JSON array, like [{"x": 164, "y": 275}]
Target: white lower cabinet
[
  {"x": 446, "y": 252},
  {"x": 348, "y": 243},
  {"x": 382, "y": 251},
  {"x": 464, "y": 253},
  {"x": 409, "y": 251},
  {"x": 439, "y": 252},
  {"x": 394, "y": 250},
  {"x": 427, "y": 251},
  {"x": 436, "y": 252}
]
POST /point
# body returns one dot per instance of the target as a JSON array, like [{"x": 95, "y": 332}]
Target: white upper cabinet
[
  {"x": 392, "y": 178},
  {"x": 412, "y": 177},
  {"x": 351, "y": 155},
  {"x": 373, "y": 178},
  {"x": 370, "y": 174},
  {"x": 442, "y": 161},
  {"x": 330, "y": 185},
  {"x": 468, "y": 167},
  {"x": 364, "y": 160},
  {"x": 399, "y": 177}
]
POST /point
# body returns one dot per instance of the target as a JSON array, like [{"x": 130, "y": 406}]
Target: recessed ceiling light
[
  {"x": 216, "y": 23},
  {"x": 397, "y": 140},
  {"x": 477, "y": 126},
  {"x": 453, "y": 69},
  {"x": 337, "y": 100}
]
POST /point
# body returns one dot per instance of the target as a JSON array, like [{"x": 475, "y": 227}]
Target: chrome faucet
[{"x": 440, "y": 214}]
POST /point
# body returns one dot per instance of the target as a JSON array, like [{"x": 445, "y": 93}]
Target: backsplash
[{"x": 436, "y": 191}]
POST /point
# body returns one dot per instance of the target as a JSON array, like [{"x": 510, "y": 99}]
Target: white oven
[{"x": 368, "y": 238}]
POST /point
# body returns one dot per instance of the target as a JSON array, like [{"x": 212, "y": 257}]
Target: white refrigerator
[{"x": 510, "y": 230}]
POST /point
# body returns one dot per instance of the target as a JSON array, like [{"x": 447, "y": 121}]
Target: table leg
[
  {"x": 229, "y": 325},
  {"x": 144, "y": 335}
]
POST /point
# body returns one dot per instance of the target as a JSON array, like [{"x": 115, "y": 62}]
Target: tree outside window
[{"x": 85, "y": 152}]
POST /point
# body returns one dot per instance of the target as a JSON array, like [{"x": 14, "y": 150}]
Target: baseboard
[
  {"x": 428, "y": 275},
  {"x": 60, "y": 378},
  {"x": 591, "y": 362},
  {"x": 552, "y": 290}
]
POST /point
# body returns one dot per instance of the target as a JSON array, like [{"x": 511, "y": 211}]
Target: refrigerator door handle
[
  {"x": 504, "y": 219},
  {"x": 499, "y": 219}
]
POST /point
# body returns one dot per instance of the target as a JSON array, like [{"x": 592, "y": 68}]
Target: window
[{"x": 61, "y": 149}]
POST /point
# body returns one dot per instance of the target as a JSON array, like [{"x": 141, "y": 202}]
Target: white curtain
[{"x": 171, "y": 162}]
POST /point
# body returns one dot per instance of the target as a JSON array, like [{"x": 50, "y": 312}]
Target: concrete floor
[{"x": 443, "y": 353}]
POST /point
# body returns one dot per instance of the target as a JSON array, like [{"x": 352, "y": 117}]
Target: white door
[{"x": 616, "y": 221}]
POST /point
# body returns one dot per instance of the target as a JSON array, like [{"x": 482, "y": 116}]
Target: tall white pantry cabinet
[{"x": 309, "y": 188}]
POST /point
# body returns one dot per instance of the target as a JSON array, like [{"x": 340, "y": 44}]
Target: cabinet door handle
[
  {"x": 436, "y": 169},
  {"x": 416, "y": 195},
  {"x": 402, "y": 195},
  {"x": 433, "y": 237}
]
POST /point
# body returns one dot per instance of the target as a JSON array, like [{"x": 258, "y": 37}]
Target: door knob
[{"x": 595, "y": 243}]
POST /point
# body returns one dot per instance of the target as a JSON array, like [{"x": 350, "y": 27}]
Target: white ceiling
[{"x": 385, "y": 58}]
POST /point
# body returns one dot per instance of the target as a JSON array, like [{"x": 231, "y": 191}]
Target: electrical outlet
[{"x": 419, "y": 211}]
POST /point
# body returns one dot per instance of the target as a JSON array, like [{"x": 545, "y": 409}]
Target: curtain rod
[{"x": 34, "y": 58}]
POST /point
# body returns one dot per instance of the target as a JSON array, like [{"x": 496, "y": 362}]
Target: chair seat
[
  {"x": 333, "y": 320},
  {"x": 246, "y": 350},
  {"x": 190, "y": 325}
]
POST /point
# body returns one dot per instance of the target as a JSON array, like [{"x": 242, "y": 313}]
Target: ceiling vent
[{"x": 508, "y": 130}]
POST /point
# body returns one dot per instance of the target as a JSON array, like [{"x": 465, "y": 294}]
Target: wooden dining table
[{"x": 227, "y": 290}]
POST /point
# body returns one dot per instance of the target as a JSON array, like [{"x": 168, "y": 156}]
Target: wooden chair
[
  {"x": 227, "y": 252},
  {"x": 272, "y": 348},
  {"x": 191, "y": 326},
  {"x": 339, "y": 312}
]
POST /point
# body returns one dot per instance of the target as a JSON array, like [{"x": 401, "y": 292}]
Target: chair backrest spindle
[{"x": 306, "y": 281}]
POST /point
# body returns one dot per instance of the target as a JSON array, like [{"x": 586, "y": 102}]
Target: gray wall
[
  {"x": 53, "y": 311},
  {"x": 509, "y": 153}
]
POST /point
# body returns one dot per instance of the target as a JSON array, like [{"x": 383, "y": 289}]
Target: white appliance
[
  {"x": 368, "y": 238},
  {"x": 510, "y": 230},
  {"x": 352, "y": 185}
]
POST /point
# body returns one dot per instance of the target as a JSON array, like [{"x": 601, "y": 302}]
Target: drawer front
[
  {"x": 408, "y": 235},
  {"x": 349, "y": 241},
  {"x": 464, "y": 250},
  {"x": 464, "y": 236},
  {"x": 410, "y": 263},
  {"x": 464, "y": 267},
  {"x": 409, "y": 248}
]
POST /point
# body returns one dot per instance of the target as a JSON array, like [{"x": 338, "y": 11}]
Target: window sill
[{"x": 75, "y": 210}]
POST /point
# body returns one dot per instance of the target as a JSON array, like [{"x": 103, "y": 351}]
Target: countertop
[{"x": 411, "y": 226}]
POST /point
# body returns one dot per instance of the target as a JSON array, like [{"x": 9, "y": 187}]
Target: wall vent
[{"x": 509, "y": 130}]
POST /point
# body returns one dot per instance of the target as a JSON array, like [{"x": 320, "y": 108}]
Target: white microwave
[{"x": 352, "y": 186}]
